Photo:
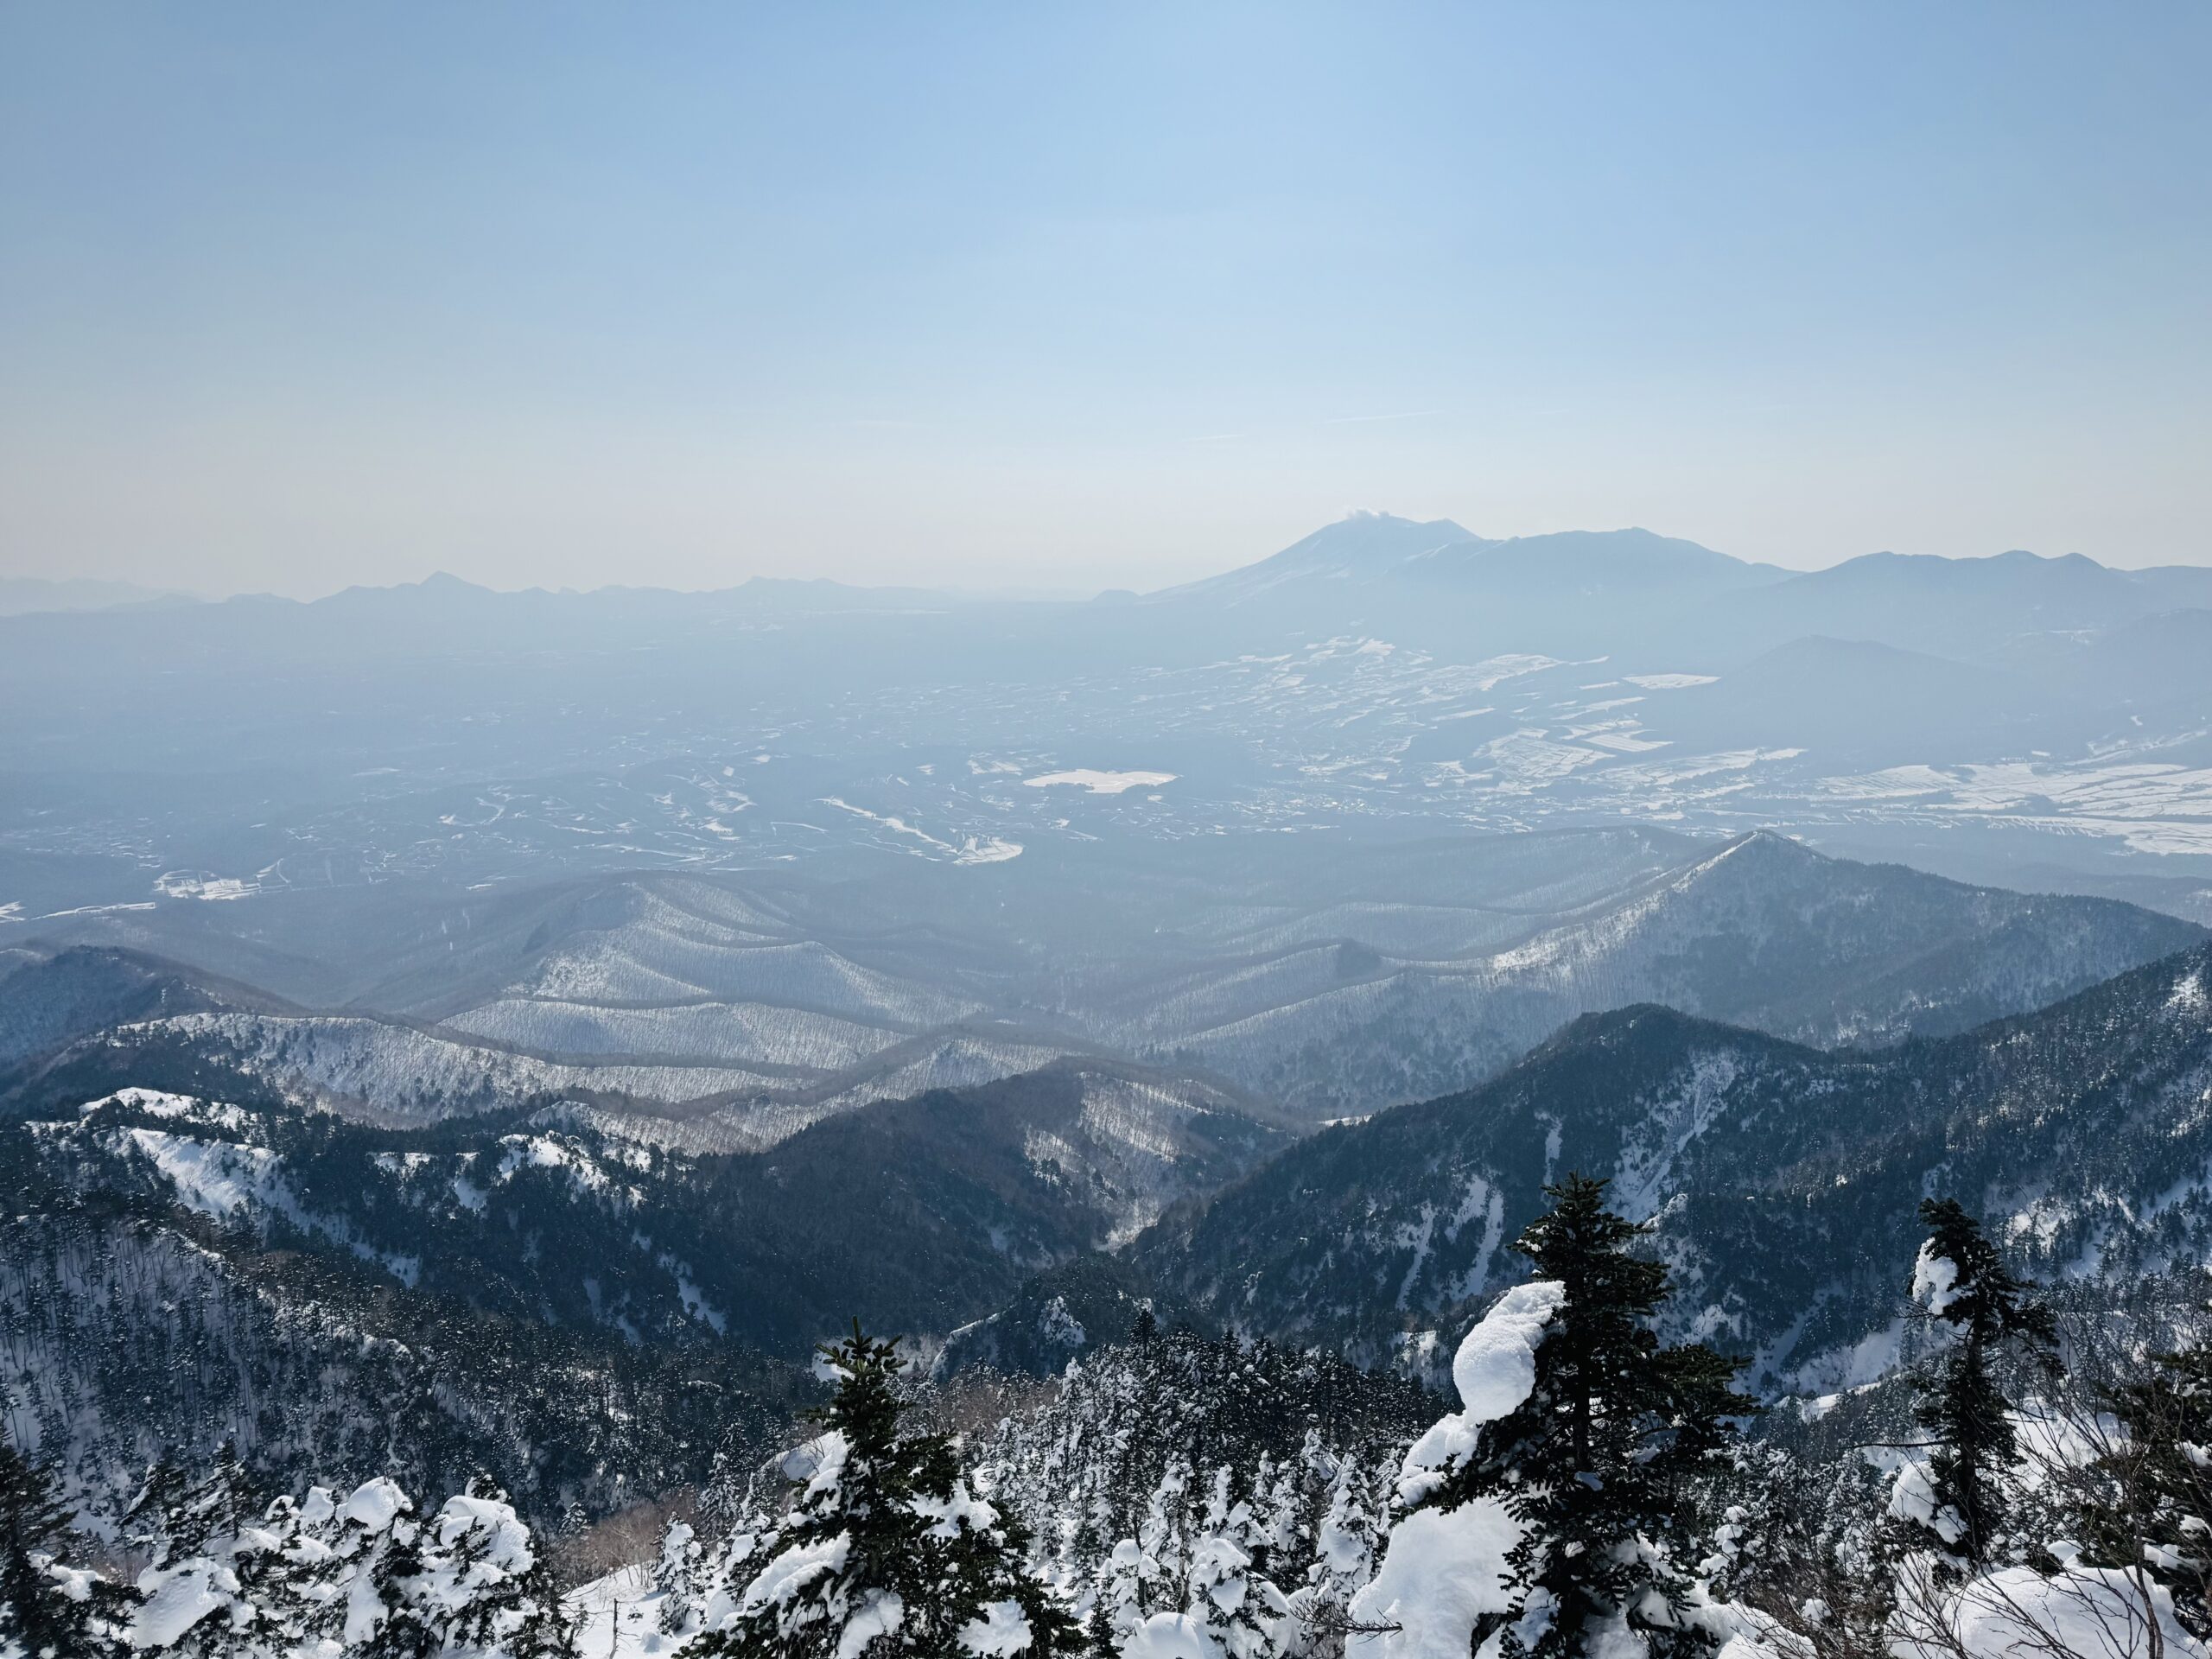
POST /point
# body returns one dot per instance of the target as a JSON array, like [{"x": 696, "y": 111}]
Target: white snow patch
[
  {"x": 2016, "y": 1612},
  {"x": 375, "y": 1504},
  {"x": 1170, "y": 1635},
  {"x": 1002, "y": 1631},
  {"x": 1101, "y": 783},
  {"x": 1443, "y": 1570}
]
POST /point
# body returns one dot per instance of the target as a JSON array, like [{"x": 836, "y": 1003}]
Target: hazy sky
[{"x": 1072, "y": 295}]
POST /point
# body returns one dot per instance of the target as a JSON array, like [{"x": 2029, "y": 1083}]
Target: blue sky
[{"x": 1066, "y": 297}]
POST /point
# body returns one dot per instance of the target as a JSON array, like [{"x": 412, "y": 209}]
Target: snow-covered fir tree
[
  {"x": 386, "y": 1559},
  {"x": 1225, "y": 1590},
  {"x": 482, "y": 1587},
  {"x": 360, "y": 1578},
  {"x": 1952, "y": 1508},
  {"x": 1121, "y": 1590},
  {"x": 1559, "y": 1510},
  {"x": 155, "y": 1509},
  {"x": 1163, "y": 1540},
  {"x": 1342, "y": 1554},
  {"x": 889, "y": 1550},
  {"x": 676, "y": 1578},
  {"x": 214, "y": 1587}
]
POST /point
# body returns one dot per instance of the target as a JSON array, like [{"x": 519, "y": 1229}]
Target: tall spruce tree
[
  {"x": 1955, "y": 1509},
  {"x": 1597, "y": 1464},
  {"x": 1228, "y": 1594},
  {"x": 888, "y": 1551},
  {"x": 210, "y": 1538},
  {"x": 356, "y": 1585}
]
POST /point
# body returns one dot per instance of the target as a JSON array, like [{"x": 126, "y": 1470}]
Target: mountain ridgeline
[
  {"x": 1323, "y": 986},
  {"x": 1781, "y": 1179}
]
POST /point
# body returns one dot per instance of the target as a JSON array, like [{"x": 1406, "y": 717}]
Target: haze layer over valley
[
  {"x": 1361, "y": 823},
  {"x": 489, "y": 1042},
  {"x": 2018, "y": 714}
]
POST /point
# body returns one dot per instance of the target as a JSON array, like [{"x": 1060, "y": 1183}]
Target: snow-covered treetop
[
  {"x": 1935, "y": 1280},
  {"x": 1495, "y": 1370}
]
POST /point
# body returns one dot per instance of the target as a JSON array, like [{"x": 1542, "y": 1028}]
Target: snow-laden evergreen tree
[
  {"x": 1584, "y": 1436},
  {"x": 482, "y": 1587},
  {"x": 736, "y": 1562},
  {"x": 1102, "y": 1635},
  {"x": 218, "y": 1506},
  {"x": 1103, "y": 1467},
  {"x": 1288, "y": 1500},
  {"x": 676, "y": 1578},
  {"x": 160, "y": 1499},
  {"x": 1163, "y": 1541},
  {"x": 312, "y": 1579},
  {"x": 1346, "y": 1533},
  {"x": 1123, "y": 1590},
  {"x": 888, "y": 1550},
  {"x": 1952, "y": 1508},
  {"x": 358, "y": 1562},
  {"x": 1225, "y": 1591},
  {"x": 48, "y": 1609},
  {"x": 284, "y": 1575}
]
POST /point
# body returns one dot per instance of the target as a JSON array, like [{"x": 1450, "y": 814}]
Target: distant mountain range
[
  {"x": 1627, "y": 591},
  {"x": 1760, "y": 932},
  {"x": 28, "y": 596},
  {"x": 1324, "y": 991},
  {"x": 1553, "y": 592},
  {"x": 2015, "y": 720},
  {"x": 1450, "y": 586}
]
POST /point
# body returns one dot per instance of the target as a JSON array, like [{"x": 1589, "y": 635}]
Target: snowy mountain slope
[
  {"x": 1762, "y": 932},
  {"x": 1363, "y": 548},
  {"x": 47, "y": 1002},
  {"x": 639, "y": 943},
  {"x": 696, "y": 1032},
  {"x": 918, "y": 1214},
  {"x": 395, "y": 1072},
  {"x": 129, "y": 1328},
  {"x": 1784, "y": 1179},
  {"x": 391, "y": 1070}
]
